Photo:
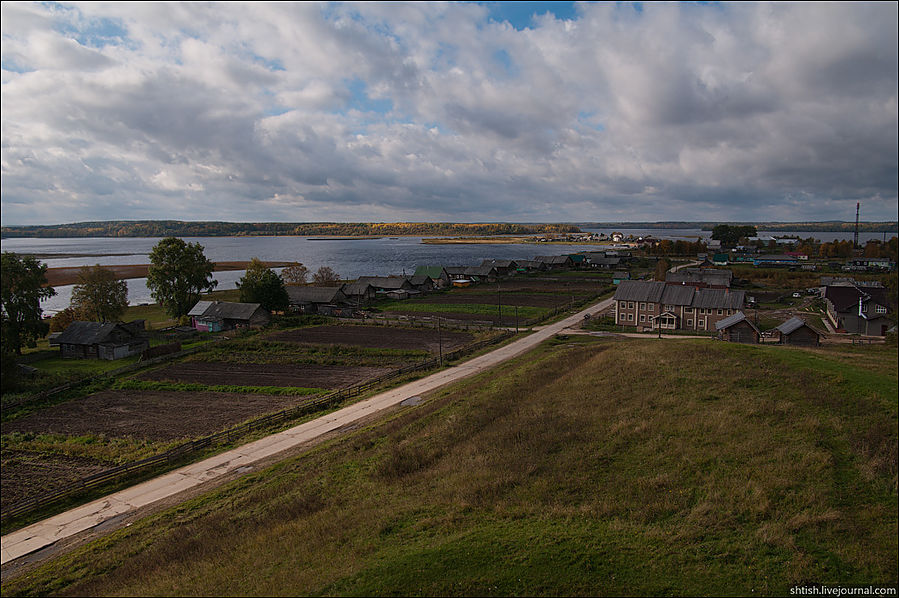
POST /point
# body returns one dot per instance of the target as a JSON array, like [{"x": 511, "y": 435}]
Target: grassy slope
[{"x": 589, "y": 467}]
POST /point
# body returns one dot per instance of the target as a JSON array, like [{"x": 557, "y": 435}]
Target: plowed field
[
  {"x": 150, "y": 414},
  {"x": 376, "y": 336},
  {"x": 307, "y": 376}
]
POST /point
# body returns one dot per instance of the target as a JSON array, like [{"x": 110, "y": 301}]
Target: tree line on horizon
[{"x": 168, "y": 228}]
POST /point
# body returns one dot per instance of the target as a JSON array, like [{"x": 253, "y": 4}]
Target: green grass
[
  {"x": 193, "y": 387},
  {"x": 584, "y": 468}
]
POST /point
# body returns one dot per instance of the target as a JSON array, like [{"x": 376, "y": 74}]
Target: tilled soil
[
  {"x": 26, "y": 475},
  {"x": 150, "y": 414},
  {"x": 506, "y": 299},
  {"x": 376, "y": 336},
  {"x": 283, "y": 375}
]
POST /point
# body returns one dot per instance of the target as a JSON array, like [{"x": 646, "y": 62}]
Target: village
[{"x": 231, "y": 363}]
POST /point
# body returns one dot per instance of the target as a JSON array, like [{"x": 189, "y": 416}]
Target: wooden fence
[{"x": 226, "y": 436}]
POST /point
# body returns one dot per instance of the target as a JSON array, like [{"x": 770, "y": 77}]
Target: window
[
  {"x": 630, "y": 317},
  {"x": 630, "y": 305},
  {"x": 642, "y": 306},
  {"x": 720, "y": 312},
  {"x": 689, "y": 310},
  {"x": 652, "y": 307},
  {"x": 689, "y": 322},
  {"x": 880, "y": 309},
  {"x": 642, "y": 318}
]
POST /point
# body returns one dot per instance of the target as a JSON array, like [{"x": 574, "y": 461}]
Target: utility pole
[
  {"x": 439, "y": 342},
  {"x": 499, "y": 301},
  {"x": 516, "y": 319},
  {"x": 855, "y": 238}
]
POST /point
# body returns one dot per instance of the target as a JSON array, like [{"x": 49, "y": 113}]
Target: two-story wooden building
[{"x": 649, "y": 305}]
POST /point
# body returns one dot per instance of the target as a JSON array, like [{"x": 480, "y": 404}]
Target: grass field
[{"x": 587, "y": 467}]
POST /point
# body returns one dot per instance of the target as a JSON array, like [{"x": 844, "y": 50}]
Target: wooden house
[
  {"x": 214, "y": 316},
  {"x": 796, "y": 332},
  {"x": 736, "y": 328},
  {"x": 437, "y": 274},
  {"x": 383, "y": 284},
  {"x": 359, "y": 293},
  {"x": 317, "y": 300},
  {"x": 102, "y": 340}
]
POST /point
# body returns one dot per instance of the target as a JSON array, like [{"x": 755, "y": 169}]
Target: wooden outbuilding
[
  {"x": 737, "y": 328},
  {"x": 796, "y": 332},
  {"x": 102, "y": 340}
]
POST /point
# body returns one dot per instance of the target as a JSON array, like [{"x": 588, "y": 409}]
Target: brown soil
[
  {"x": 69, "y": 274},
  {"x": 150, "y": 414},
  {"x": 26, "y": 475},
  {"x": 473, "y": 319},
  {"x": 376, "y": 336},
  {"x": 520, "y": 299},
  {"x": 306, "y": 376}
]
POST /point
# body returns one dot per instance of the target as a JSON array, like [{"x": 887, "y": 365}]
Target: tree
[
  {"x": 661, "y": 269},
  {"x": 23, "y": 280},
  {"x": 325, "y": 276},
  {"x": 99, "y": 295},
  {"x": 178, "y": 273},
  {"x": 261, "y": 285},
  {"x": 295, "y": 274},
  {"x": 63, "y": 319},
  {"x": 731, "y": 235}
]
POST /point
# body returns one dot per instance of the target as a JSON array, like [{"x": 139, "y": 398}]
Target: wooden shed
[
  {"x": 796, "y": 332},
  {"x": 738, "y": 329}
]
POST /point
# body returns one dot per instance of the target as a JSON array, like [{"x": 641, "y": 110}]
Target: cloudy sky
[{"x": 453, "y": 112}]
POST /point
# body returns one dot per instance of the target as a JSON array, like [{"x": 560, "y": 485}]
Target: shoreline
[{"x": 68, "y": 275}]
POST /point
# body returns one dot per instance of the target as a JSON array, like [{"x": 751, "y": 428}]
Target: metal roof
[
  {"x": 391, "y": 283},
  {"x": 677, "y": 295},
  {"x": 200, "y": 308},
  {"x": 314, "y": 294},
  {"x": 639, "y": 290},
  {"x": 718, "y": 299},
  {"x": 734, "y": 319},
  {"x": 226, "y": 310},
  {"x": 791, "y": 325}
]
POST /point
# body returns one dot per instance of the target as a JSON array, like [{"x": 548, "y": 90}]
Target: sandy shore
[{"x": 69, "y": 275}]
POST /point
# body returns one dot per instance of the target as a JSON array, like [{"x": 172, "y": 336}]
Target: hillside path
[{"x": 115, "y": 507}]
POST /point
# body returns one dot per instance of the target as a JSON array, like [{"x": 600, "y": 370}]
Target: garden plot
[
  {"x": 377, "y": 336},
  {"x": 278, "y": 375},
  {"x": 151, "y": 415},
  {"x": 27, "y": 474}
]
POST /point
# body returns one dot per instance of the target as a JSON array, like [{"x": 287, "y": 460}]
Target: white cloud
[{"x": 299, "y": 111}]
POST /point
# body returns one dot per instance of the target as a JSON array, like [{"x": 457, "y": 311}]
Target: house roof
[
  {"x": 356, "y": 288},
  {"x": 390, "y": 283},
  {"x": 703, "y": 275},
  {"x": 660, "y": 292},
  {"x": 639, "y": 290},
  {"x": 225, "y": 310},
  {"x": 433, "y": 272},
  {"x": 718, "y": 298},
  {"x": 90, "y": 333},
  {"x": 677, "y": 295},
  {"x": 300, "y": 295},
  {"x": 845, "y": 297},
  {"x": 480, "y": 271},
  {"x": 792, "y": 325},
  {"x": 732, "y": 320},
  {"x": 419, "y": 279},
  {"x": 553, "y": 259}
]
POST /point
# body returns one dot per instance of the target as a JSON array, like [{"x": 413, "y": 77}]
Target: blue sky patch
[{"x": 520, "y": 14}]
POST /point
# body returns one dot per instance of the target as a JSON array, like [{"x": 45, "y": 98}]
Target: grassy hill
[{"x": 588, "y": 467}]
